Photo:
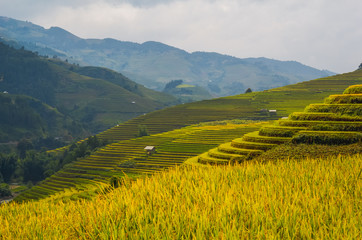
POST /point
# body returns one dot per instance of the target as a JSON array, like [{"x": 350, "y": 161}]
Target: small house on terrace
[{"x": 150, "y": 149}]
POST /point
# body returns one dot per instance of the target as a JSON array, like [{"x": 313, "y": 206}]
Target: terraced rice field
[
  {"x": 128, "y": 158},
  {"x": 126, "y": 155},
  {"x": 337, "y": 121},
  {"x": 285, "y": 100}
]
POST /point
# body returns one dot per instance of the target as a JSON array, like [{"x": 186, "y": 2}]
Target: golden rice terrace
[{"x": 337, "y": 121}]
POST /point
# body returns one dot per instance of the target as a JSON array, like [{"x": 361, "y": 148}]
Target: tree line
[{"x": 27, "y": 165}]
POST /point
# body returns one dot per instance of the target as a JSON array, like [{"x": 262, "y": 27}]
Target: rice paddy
[
  {"x": 306, "y": 199},
  {"x": 128, "y": 158},
  {"x": 316, "y": 125}
]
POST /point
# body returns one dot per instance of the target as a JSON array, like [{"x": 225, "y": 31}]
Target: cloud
[{"x": 321, "y": 33}]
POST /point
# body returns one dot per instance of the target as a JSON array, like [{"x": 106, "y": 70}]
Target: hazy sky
[{"x": 326, "y": 34}]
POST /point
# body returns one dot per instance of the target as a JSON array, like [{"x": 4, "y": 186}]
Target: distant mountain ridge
[{"x": 154, "y": 64}]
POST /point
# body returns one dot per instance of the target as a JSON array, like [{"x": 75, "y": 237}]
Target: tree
[
  {"x": 23, "y": 146},
  {"x": 360, "y": 66},
  {"x": 172, "y": 84},
  {"x": 248, "y": 90},
  {"x": 33, "y": 166},
  {"x": 4, "y": 190},
  {"x": 7, "y": 166},
  {"x": 142, "y": 131}
]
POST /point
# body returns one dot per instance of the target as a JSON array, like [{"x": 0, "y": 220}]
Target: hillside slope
[
  {"x": 97, "y": 97},
  {"x": 255, "y": 105},
  {"x": 338, "y": 121},
  {"x": 128, "y": 156},
  {"x": 153, "y": 64},
  {"x": 24, "y": 116}
]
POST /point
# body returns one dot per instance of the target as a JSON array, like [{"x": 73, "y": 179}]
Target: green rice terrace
[
  {"x": 128, "y": 158},
  {"x": 186, "y": 131},
  {"x": 337, "y": 121},
  {"x": 285, "y": 100}
]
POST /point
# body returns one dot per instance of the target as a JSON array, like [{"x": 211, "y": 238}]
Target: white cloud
[{"x": 320, "y": 33}]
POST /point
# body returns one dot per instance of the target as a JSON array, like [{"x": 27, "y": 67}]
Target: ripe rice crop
[
  {"x": 306, "y": 199},
  {"x": 354, "y": 89}
]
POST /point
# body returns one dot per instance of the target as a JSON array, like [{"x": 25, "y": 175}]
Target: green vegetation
[
  {"x": 100, "y": 185},
  {"x": 4, "y": 190},
  {"x": 128, "y": 158},
  {"x": 27, "y": 117},
  {"x": 65, "y": 100},
  {"x": 315, "y": 129},
  {"x": 29, "y": 166},
  {"x": 285, "y": 100}
]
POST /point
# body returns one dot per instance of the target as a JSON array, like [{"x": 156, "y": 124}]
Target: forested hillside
[
  {"x": 27, "y": 117},
  {"x": 97, "y": 97}
]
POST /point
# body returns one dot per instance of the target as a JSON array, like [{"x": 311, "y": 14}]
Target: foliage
[
  {"x": 8, "y": 164},
  {"x": 248, "y": 90},
  {"x": 314, "y": 198},
  {"x": 172, "y": 84},
  {"x": 142, "y": 131},
  {"x": 186, "y": 93},
  {"x": 96, "y": 97},
  {"x": 31, "y": 166},
  {"x": 4, "y": 190},
  {"x": 23, "y": 146}
]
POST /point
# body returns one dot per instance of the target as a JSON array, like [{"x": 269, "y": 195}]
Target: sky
[{"x": 325, "y": 34}]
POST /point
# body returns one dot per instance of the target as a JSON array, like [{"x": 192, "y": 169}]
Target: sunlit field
[{"x": 309, "y": 198}]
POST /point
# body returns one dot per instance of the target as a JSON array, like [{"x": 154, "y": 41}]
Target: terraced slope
[
  {"x": 337, "y": 121},
  {"x": 285, "y": 100},
  {"x": 128, "y": 157}
]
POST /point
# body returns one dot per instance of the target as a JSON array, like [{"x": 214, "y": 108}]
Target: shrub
[{"x": 142, "y": 131}]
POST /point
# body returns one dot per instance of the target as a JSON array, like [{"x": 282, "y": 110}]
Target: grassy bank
[{"x": 309, "y": 198}]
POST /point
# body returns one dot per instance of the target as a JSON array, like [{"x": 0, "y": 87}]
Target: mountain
[
  {"x": 97, "y": 97},
  {"x": 154, "y": 64}
]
